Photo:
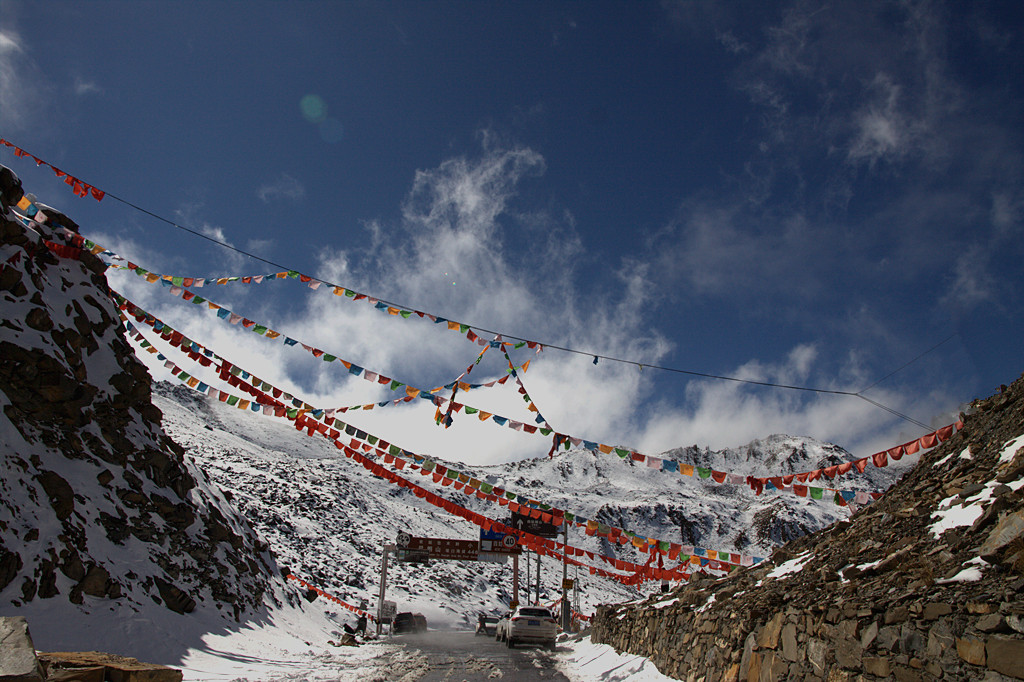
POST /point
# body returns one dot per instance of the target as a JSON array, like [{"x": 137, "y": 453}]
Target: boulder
[{"x": 18, "y": 661}]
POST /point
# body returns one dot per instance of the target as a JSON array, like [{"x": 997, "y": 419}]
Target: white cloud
[
  {"x": 882, "y": 130},
  {"x": 972, "y": 283},
  {"x": 457, "y": 220},
  {"x": 14, "y": 89},
  {"x": 84, "y": 87},
  {"x": 284, "y": 187}
]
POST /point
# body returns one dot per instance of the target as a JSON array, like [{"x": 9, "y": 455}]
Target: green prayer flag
[
  {"x": 293, "y": 274},
  {"x": 405, "y": 313},
  {"x": 621, "y": 453},
  {"x": 198, "y": 299},
  {"x": 395, "y": 384},
  {"x": 329, "y": 358},
  {"x": 233, "y": 400},
  {"x": 815, "y": 493},
  {"x": 260, "y": 329},
  {"x": 394, "y": 450},
  {"x": 350, "y": 293},
  {"x": 177, "y": 281},
  {"x": 545, "y": 431},
  {"x": 471, "y": 410},
  {"x": 704, "y": 473}
]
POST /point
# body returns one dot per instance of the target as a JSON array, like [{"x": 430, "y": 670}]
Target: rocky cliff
[
  {"x": 99, "y": 509},
  {"x": 924, "y": 584}
]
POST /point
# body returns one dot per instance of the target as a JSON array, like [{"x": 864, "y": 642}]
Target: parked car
[
  {"x": 486, "y": 624},
  {"x": 533, "y": 624},
  {"x": 408, "y": 622}
]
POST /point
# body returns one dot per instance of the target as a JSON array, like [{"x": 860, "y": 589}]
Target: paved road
[{"x": 457, "y": 656}]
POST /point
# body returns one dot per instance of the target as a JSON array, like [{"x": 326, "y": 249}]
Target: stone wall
[{"x": 882, "y": 596}]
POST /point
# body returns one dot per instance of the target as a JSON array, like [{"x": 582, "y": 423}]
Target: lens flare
[{"x": 313, "y": 107}]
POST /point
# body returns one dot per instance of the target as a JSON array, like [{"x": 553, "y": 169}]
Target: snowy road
[{"x": 459, "y": 656}]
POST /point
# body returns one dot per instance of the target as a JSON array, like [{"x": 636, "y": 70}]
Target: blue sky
[{"x": 803, "y": 193}]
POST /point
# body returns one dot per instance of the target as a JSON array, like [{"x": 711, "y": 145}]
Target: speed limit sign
[{"x": 509, "y": 540}]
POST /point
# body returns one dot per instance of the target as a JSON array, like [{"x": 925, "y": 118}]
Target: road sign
[
  {"x": 499, "y": 543},
  {"x": 534, "y": 526},
  {"x": 403, "y": 540},
  {"x": 420, "y": 556},
  {"x": 388, "y": 610},
  {"x": 447, "y": 549},
  {"x": 567, "y": 584},
  {"x": 494, "y": 557}
]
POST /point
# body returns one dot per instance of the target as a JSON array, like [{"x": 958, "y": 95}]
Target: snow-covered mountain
[
  {"x": 149, "y": 517},
  {"x": 326, "y": 518}
]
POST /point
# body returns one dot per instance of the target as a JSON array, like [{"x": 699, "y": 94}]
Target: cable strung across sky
[{"x": 77, "y": 184}]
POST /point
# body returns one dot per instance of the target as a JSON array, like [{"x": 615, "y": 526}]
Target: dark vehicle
[
  {"x": 408, "y": 622},
  {"x": 486, "y": 624}
]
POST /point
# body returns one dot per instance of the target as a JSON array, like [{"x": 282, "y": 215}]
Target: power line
[
  {"x": 907, "y": 364},
  {"x": 596, "y": 356}
]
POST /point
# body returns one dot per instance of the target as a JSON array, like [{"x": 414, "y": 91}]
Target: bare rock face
[
  {"x": 925, "y": 584},
  {"x": 87, "y": 464},
  {"x": 18, "y": 661}
]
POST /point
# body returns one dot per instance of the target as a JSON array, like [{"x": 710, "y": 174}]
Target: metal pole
[
  {"x": 515, "y": 578},
  {"x": 537, "y": 595},
  {"x": 383, "y": 583},
  {"x": 528, "y": 581},
  {"x": 565, "y": 569}
]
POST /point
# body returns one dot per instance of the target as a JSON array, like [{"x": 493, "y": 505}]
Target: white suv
[{"x": 528, "y": 624}]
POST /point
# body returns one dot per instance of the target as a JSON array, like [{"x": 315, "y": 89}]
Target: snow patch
[
  {"x": 794, "y": 565},
  {"x": 1010, "y": 451},
  {"x": 588, "y": 662}
]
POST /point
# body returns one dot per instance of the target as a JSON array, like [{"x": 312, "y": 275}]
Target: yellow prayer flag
[
  {"x": 686, "y": 469},
  {"x": 453, "y": 325},
  {"x": 484, "y": 416},
  {"x": 152, "y": 277}
]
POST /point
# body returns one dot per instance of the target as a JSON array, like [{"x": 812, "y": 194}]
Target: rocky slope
[
  {"x": 99, "y": 510},
  {"x": 326, "y": 519},
  {"x": 924, "y": 584}
]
